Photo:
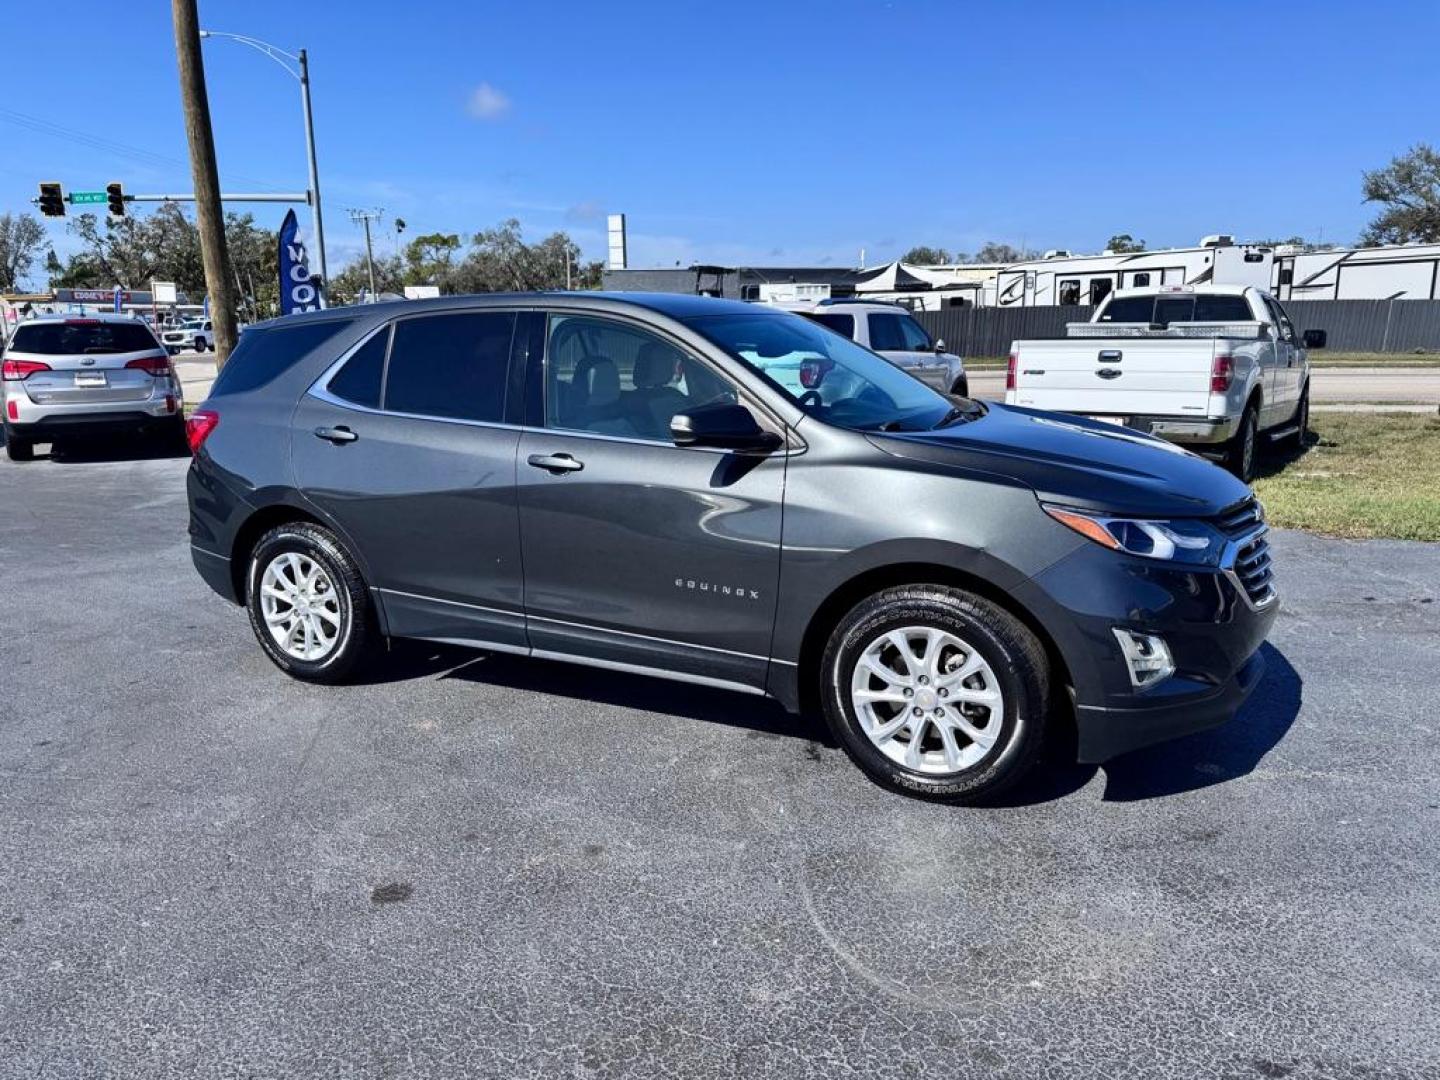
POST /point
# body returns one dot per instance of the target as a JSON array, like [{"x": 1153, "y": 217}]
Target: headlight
[{"x": 1183, "y": 540}]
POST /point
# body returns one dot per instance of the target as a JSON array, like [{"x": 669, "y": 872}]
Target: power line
[{"x": 111, "y": 146}]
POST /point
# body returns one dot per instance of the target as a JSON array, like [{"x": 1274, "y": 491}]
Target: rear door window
[
  {"x": 266, "y": 353},
  {"x": 81, "y": 337},
  {"x": 886, "y": 334},
  {"x": 453, "y": 367}
]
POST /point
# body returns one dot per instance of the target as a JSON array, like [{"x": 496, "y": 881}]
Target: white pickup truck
[{"x": 1210, "y": 366}]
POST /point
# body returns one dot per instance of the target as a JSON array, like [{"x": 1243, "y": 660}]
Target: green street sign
[{"x": 79, "y": 197}]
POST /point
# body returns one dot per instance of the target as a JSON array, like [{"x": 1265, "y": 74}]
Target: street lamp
[{"x": 280, "y": 56}]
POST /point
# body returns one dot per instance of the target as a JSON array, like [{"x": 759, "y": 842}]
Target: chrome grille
[
  {"x": 1254, "y": 570},
  {"x": 1244, "y": 517}
]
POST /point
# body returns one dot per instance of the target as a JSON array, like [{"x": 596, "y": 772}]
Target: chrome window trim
[{"x": 320, "y": 390}]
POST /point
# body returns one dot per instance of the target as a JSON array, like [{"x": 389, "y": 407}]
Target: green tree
[
  {"x": 1124, "y": 244},
  {"x": 430, "y": 259},
  {"x": 352, "y": 283},
  {"x": 1409, "y": 190},
  {"x": 926, "y": 256},
  {"x": 500, "y": 260},
  {"x": 995, "y": 252},
  {"x": 21, "y": 238}
]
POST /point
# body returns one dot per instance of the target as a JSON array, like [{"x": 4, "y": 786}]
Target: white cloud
[{"x": 487, "y": 103}]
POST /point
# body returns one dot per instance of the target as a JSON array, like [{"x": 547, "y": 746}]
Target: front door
[
  {"x": 405, "y": 448},
  {"x": 640, "y": 554}
]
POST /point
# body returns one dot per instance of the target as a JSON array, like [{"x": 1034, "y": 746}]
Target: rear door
[
  {"x": 92, "y": 362},
  {"x": 405, "y": 444}
]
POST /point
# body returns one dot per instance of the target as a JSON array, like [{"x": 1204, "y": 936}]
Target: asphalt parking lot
[{"x": 490, "y": 866}]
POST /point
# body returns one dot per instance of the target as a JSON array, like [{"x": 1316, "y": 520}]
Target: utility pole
[
  {"x": 209, "y": 214},
  {"x": 365, "y": 217}
]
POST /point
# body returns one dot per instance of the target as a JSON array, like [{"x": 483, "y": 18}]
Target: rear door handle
[
  {"x": 555, "y": 463},
  {"x": 336, "y": 435}
]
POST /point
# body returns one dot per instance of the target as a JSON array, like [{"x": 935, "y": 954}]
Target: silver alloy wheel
[
  {"x": 300, "y": 606},
  {"x": 927, "y": 700}
]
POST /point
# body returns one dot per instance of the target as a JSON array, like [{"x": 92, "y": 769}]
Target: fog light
[{"x": 1146, "y": 655}]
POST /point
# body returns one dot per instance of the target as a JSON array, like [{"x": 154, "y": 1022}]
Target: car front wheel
[
  {"x": 308, "y": 604},
  {"x": 961, "y": 388},
  {"x": 936, "y": 692}
]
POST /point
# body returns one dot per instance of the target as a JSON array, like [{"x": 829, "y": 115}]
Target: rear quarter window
[{"x": 266, "y": 353}]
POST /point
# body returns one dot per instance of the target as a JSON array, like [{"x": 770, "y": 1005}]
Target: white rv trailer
[
  {"x": 1394, "y": 272},
  {"x": 1068, "y": 280}
]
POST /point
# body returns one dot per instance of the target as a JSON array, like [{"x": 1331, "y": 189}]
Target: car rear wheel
[
  {"x": 1240, "y": 454},
  {"x": 1302, "y": 420},
  {"x": 936, "y": 692},
  {"x": 19, "y": 449},
  {"x": 961, "y": 388},
  {"x": 308, "y": 604}
]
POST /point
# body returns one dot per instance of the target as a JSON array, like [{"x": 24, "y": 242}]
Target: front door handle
[
  {"x": 336, "y": 435},
  {"x": 555, "y": 463}
]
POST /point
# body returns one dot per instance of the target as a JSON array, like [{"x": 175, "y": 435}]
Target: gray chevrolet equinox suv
[{"x": 733, "y": 496}]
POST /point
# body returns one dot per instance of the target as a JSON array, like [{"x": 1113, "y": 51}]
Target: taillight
[
  {"x": 1221, "y": 372},
  {"x": 198, "y": 428},
  {"x": 1010, "y": 366},
  {"x": 12, "y": 409},
  {"x": 158, "y": 365},
  {"x": 813, "y": 372},
  {"x": 21, "y": 369}
]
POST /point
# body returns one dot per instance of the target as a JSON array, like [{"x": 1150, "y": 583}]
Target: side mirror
[
  {"x": 939, "y": 345},
  {"x": 1314, "y": 339},
  {"x": 723, "y": 425}
]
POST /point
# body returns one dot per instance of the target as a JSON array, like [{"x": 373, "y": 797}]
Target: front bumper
[{"x": 1213, "y": 630}]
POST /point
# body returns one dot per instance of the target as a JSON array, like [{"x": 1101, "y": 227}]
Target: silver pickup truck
[{"x": 1214, "y": 367}]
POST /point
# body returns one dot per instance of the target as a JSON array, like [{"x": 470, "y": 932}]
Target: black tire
[
  {"x": 17, "y": 449},
  {"x": 1302, "y": 421},
  {"x": 199, "y": 345},
  {"x": 1243, "y": 448},
  {"x": 1014, "y": 655},
  {"x": 961, "y": 388},
  {"x": 358, "y": 634}
]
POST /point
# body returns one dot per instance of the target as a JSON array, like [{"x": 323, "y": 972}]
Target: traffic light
[
  {"x": 115, "y": 196},
  {"x": 52, "y": 200}
]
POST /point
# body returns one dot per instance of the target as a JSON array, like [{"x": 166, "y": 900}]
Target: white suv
[
  {"x": 891, "y": 331},
  {"x": 191, "y": 334},
  {"x": 66, "y": 375}
]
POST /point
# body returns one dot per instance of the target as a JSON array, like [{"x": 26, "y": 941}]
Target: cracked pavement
[{"x": 489, "y": 866}]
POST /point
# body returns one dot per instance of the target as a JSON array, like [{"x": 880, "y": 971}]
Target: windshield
[
  {"x": 79, "y": 336},
  {"x": 827, "y": 375}
]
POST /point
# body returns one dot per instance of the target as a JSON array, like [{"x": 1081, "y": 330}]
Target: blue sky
[{"x": 755, "y": 133}]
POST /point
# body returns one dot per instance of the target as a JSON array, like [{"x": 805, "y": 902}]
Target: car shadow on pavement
[
  {"x": 410, "y": 660},
  {"x": 128, "y": 448},
  {"x": 1196, "y": 761}
]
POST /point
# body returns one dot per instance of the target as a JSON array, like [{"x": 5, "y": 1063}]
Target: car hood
[{"x": 1076, "y": 462}]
